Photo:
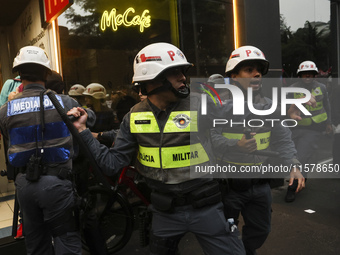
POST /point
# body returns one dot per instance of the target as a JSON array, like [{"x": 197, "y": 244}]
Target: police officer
[
  {"x": 76, "y": 92},
  {"x": 95, "y": 98},
  {"x": 309, "y": 130},
  {"x": 251, "y": 196},
  {"x": 40, "y": 144},
  {"x": 159, "y": 128}
]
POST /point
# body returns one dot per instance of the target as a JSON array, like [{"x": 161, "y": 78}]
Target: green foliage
[{"x": 307, "y": 43}]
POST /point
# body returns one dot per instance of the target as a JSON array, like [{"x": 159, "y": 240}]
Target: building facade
[{"x": 96, "y": 40}]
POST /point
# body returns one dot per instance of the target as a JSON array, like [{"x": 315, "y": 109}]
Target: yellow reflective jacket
[{"x": 167, "y": 154}]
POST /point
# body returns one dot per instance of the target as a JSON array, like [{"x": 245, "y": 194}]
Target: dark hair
[
  {"x": 55, "y": 82},
  {"x": 33, "y": 72},
  {"x": 123, "y": 106},
  {"x": 119, "y": 93}
]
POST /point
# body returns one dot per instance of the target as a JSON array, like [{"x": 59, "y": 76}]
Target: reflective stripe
[
  {"x": 317, "y": 119},
  {"x": 183, "y": 156},
  {"x": 22, "y": 135},
  {"x": 320, "y": 118},
  {"x": 262, "y": 139},
  {"x": 50, "y": 155},
  {"x": 143, "y": 122},
  {"x": 30, "y": 104},
  {"x": 149, "y": 156},
  {"x": 305, "y": 122},
  {"x": 179, "y": 121},
  {"x": 318, "y": 112},
  {"x": 24, "y": 129},
  {"x": 173, "y": 157},
  {"x": 319, "y": 106}
]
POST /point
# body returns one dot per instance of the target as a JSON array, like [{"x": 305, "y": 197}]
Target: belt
[
  {"x": 62, "y": 173},
  {"x": 244, "y": 184},
  {"x": 259, "y": 181},
  {"x": 207, "y": 194},
  {"x": 181, "y": 201}
]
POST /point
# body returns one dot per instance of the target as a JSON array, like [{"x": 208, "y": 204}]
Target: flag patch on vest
[{"x": 181, "y": 120}]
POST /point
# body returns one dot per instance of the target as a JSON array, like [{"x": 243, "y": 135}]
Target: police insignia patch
[{"x": 181, "y": 121}]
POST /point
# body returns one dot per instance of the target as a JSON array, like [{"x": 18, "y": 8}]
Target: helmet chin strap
[{"x": 168, "y": 86}]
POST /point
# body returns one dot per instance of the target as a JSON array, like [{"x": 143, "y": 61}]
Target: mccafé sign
[
  {"x": 53, "y": 8},
  {"x": 128, "y": 18}
]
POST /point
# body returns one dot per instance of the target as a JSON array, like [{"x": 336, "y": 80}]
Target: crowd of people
[{"x": 156, "y": 134}]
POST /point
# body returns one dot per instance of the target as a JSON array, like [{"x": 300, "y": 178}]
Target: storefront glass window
[{"x": 100, "y": 38}]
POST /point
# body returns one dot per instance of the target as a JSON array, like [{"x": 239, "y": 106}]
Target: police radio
[
  {"x": 34, "y": 167},
  {"x": 247, "y": 132}
]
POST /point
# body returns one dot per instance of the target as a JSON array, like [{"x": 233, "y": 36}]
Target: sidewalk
[{"x": 294, "y": 231}]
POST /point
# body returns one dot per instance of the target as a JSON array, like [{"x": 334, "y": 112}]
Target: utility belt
[
  {"x": 35, "y": 169},
  {"x": 245, "y": 183},
  {"x": 207, "y": 194}
]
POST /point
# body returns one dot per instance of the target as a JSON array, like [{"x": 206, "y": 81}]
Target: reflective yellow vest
[
  {"x": 262, "y": 139},
  {"x": 319, "y": 113},
  {"x": 166, "y": 155}
]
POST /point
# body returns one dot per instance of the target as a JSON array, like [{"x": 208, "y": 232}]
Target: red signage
[{"x": 53, "y": 8}]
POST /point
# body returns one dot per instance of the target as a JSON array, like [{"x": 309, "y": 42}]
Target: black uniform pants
[
  {"x": 41, "y": 203},
  {"x": 255, "y": 206},
  {"x": 207, "y": 223}
]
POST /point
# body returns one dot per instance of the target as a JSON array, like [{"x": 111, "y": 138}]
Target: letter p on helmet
[{"x": 171, "y": 54}]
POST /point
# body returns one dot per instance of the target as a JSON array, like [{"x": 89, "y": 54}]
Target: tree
[
  {"x": 285, "y": 31},
  {"x": 312, "y": 42}
]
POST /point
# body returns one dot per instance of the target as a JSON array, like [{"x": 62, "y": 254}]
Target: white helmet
[
  {"x": 154, "y": 59},
  {"x": 76, "y": 90},
  {"x": 307, "y": 66},
  {"x": 246, "y": 53},
  {"x": 95, "y": 90},
  {"x": 216, "y": 79},
  {"x": 31, "y": 55}
]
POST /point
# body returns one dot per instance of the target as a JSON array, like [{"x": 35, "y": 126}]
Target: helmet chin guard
[
  {"x": 181, "y": 94},
  {"x": 168, "y": 86},
  {"x": 153, "y": 61}
]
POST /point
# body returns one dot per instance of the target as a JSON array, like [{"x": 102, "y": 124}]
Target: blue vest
[{"x": 25, "y": 131}]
